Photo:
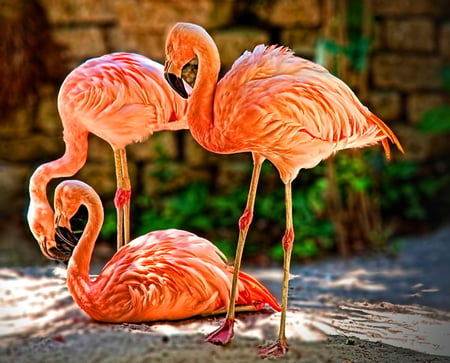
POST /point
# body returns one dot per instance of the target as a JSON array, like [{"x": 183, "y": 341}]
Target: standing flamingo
[
  {"x": 120, "y": 97},
  {"x": 279, "y": 107},
  {"x": 163, "y": 275}
]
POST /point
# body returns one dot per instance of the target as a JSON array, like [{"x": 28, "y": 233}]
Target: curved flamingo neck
[
  {"x": 78, "y": 279},
  {"x": 73, "y": 159},
  {"x": 200, "y": 112}
]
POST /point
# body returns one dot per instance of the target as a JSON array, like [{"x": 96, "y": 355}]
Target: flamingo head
[
  {"x": 182, "y": 45},
  {"x": 67, "y": 202},
  {"x": 42, "y": 227}
]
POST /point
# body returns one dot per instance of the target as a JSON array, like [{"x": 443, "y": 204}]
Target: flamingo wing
[{"x": 283, "y": 106}]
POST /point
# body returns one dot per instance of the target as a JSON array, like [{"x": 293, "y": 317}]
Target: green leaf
[
  {"x": 436, "y": 120},
  {"x": 361, "y": 183},
  {"x": 307, "y": 248}
]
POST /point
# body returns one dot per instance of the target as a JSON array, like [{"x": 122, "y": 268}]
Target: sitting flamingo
[
  {"x": 120, "y": 97},
  {"x": 163, "y": 275}
]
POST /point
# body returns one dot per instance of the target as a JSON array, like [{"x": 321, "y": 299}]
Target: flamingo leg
[
  {"x": 122, "y": 197},
  {"x": 280, "y": 347},
  {"x": 225, "y": 332}
]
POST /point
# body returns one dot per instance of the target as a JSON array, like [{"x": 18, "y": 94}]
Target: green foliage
[
  {"x": 354, "y": 172},
  {"x": 313, "y": 231},
  {"x": 197, "y": 209},
  {"x": 109, "y": 228},
  {"x": 435, "y": 120},
  {"x": 408, "y": 182},
  {"x": 407, "y": 192},
  {"x": 357, "y": 46},
  {"x": 445, "y": 73},
  {"x": 404, "y": 193},
  {"x": 355, "y": 51},
  {"x": 186, "y": 209}
]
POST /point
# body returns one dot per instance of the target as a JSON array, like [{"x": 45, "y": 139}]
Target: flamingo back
[
  {"x": 120, "y": 97},
  {"x": 292, "y": 111}
]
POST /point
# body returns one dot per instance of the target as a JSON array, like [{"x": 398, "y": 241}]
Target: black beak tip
[
  {"x": 56, "y": 254},
  {"x": 176, "y": 83}
]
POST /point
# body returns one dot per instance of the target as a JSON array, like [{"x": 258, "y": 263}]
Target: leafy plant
[
  {"x": 407, "y": 192},
  {"x": 437, "y": 119},
  {"x": 357, "y": 46},
  {"x": 215, "y": 216}
]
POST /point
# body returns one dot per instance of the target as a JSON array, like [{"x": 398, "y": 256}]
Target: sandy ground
[{"x": 379, "y": 309}]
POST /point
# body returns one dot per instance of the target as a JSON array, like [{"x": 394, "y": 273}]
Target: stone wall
[{"x": 412, "y": 44}]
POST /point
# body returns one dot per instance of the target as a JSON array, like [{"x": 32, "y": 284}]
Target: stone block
[
  {"x": 159, "y": 15},
  {"x": 99, "y": 150},
  {"x": 419, "y": 103},
  {"x": 119, "y": 40},
  {"x": 233, "y": 42},
  {"x": 102, "y": 177},
  {"x": 377, "y": 41},
  {"x": 387, "y": 105},
  {"x": 48, "y": 120},
  {"x": 412, "y": 34},
  {"x": 38, "y": 148},
  {"x": 13, "y": 182},
  {"x": 301, "y": 40},
  {"x": 420, "y": 146},
  {"x": 437, "y": 8},
  {"x": 17, "y": 124},
  {"x": 162, "y": 145},
  {"x": 288, "y": 13},
  {"x": 138, "y": 40},
  {"x": 78, "y": 11},
  {"x": 81, "y": 43},
  {"x": 406, "y": 72},
  {"x": 444, "y": 41}
]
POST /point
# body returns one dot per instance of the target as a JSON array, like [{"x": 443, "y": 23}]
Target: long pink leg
[
  {"x": 225, "y": 332},
  {"x": 280, "y": 347},
  {"x": 122, "y": 198}
]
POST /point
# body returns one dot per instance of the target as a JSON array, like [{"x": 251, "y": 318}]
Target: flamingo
[
  {"x": 163, "y": 275},
  {"x": 120, "y": 97},
  {"x": 277, "y": 106}
]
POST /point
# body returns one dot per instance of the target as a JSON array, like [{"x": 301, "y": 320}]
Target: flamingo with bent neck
[
  {"x": 163, "y": 275},
  {"x": 120, "y": 97},
  {"x": 277, "y": 106}
]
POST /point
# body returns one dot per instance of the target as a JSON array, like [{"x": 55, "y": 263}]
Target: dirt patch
[{"x": 380, "y": 309}]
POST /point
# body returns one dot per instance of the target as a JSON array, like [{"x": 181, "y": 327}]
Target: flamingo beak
[
  {"x": 53, "y": 253},
  {"x": 64, "y": 230},
  {"x": 174, "y": 81}
]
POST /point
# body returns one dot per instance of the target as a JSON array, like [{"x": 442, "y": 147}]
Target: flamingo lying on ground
[
  {"x": 163, "y": 275},
  {"x": 278, "y": 107},
  {"x": 120, "y": 97}
]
